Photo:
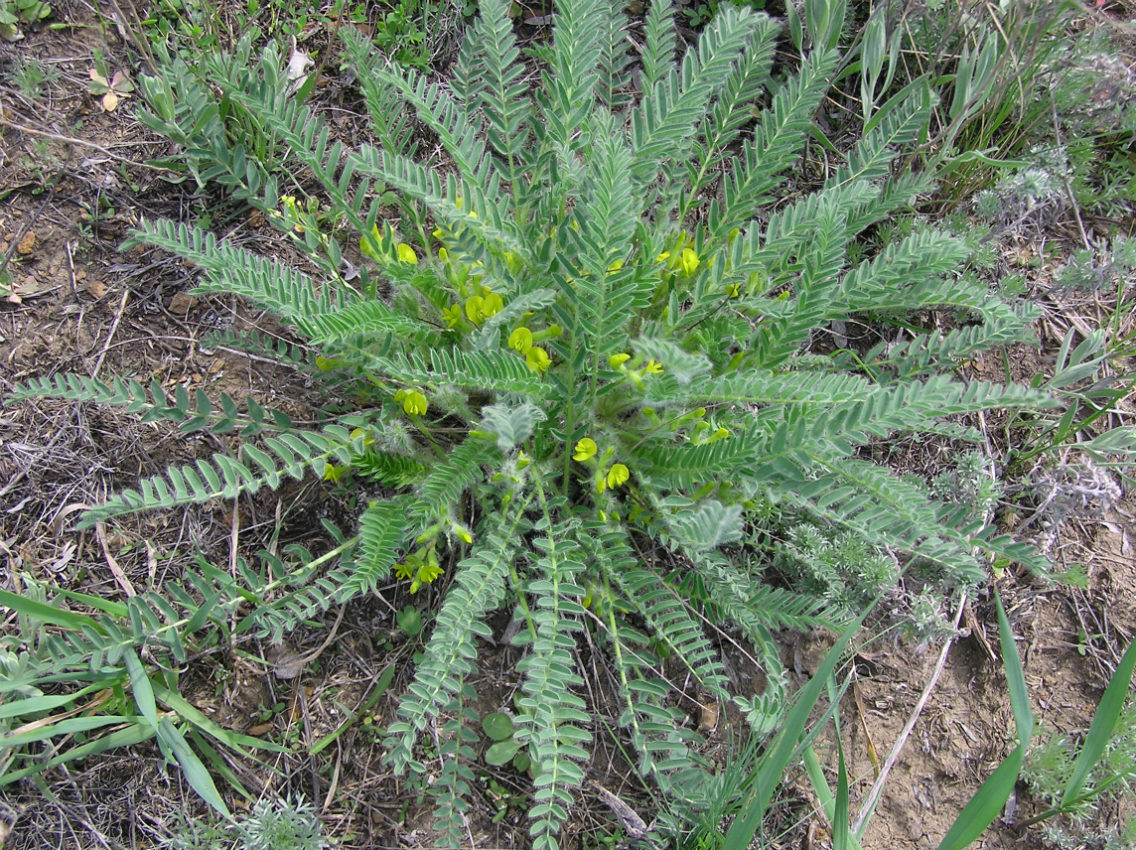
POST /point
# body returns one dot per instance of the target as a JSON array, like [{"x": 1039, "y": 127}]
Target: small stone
[{"x": 27, "y": 244}]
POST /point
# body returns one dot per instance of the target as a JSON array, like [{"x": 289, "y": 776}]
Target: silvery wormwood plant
[{"x": 600, "y": 349}]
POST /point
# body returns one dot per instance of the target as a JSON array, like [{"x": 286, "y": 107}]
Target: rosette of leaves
[{"x": 600, "y": 350}]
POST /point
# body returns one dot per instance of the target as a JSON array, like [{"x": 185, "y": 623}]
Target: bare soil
[{"x": 72, "y": 183}]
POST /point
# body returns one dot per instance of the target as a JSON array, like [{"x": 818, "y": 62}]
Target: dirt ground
[{"x": 72, "y": 184}]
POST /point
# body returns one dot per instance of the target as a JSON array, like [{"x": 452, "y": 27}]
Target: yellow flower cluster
[
  {"x": 524, "y": 341},
  {"x": 651, "y": 367},
  {"x": 420, "y": 567},
  {"x": 617, "y": 474},
  {"x": 483, "y": 305}
]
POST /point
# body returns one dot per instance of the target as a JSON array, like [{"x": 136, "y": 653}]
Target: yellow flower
[
  {"x": 617, "y": 360},
  {"x": 733, "y": 290},
  {"x": 371, "y": 245},
  {"x": 452, "y": 315},
  {"x": 404, "y": 571},
  {"x": 689, "y": 261},
  {"x": 438, "y": 233},
  {"x": 586, "y": 448},
  {"x": 333, "y": 473},
  {"x": 521, "y": 340},
  {"x": 479, "y": 307},
  {"x": 428, "y": 572},
  {"x": 537, "y": 359},
  {"x": 493, "y": 303},
  {"x": 618, "y": 474},
  {"x": 474, "y": 307},
  {"x": 406, "y": 254},
  {"x": 663, "y": 257},
  {"x": 653, "y": 368},
  {"x": 413, "y": 402},
  {"x": 614, "y": 267}
]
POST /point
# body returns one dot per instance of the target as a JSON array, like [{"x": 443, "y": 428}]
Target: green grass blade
[
  {"x": 776, "y": 759},
  {"x": 190, "y": 713},
  {"x": 381, "y": 685},
  {"x": 33, "y": 705},
  {"x": 820, "y": 784},
  {"x": 1103, "y": 726},
  {"x": 46, "y": 613},
  {"x": 1015, "y": 676},
  {"x": 192, "y": 767},
  {"x": 128, "y": 737},
  {"x": 140, "y": 685},
  {"x": 841, "y": 834},
  {"x": 219, "y": 764},
  {"x": 115, "y": 609},
  {"x": 985, "y": 805},
  {"x": 70, "y": 726}
]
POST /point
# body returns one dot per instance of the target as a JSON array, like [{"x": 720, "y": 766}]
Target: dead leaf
[
  {"x": 31, "y": 286},
  {"x": 298, "y": 64},
  {"x": 121, "y": 83},
  {"x": 182, "y": 303},
  {"x": 112, "y": 90},
  {"x": 96, "y": 288},
  {"x": 632, "y": 824},
  {"x": 297, "y": 68},
  {"x": 286, "y": 662},
  {"x": 27, "y": 243},
  {"x": 708, "y": 716}
]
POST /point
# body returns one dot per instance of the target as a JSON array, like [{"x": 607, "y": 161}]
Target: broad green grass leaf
[
  {"x": 1015, "y": 676},
  {"x": 32, "y": 705},
  {"x": 140, "y": 685},
  {"x": 1103, "y": 726},
  {"x": 980, "y": 812},
  {"x": 191, "y": 766},
  {"x": 115, "y": 609},
  {"x": 985, "y": 805},
  {"x": 46, "y": 613},
  {"x": 189, "y": 712},
  {"x": 219, "y": 764},
  {"x": 776, "y": 759},
  {"x": 130, "y": 736},
  {"x": 70, "y": 726},
  {"x": 841, "y": 834}
]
